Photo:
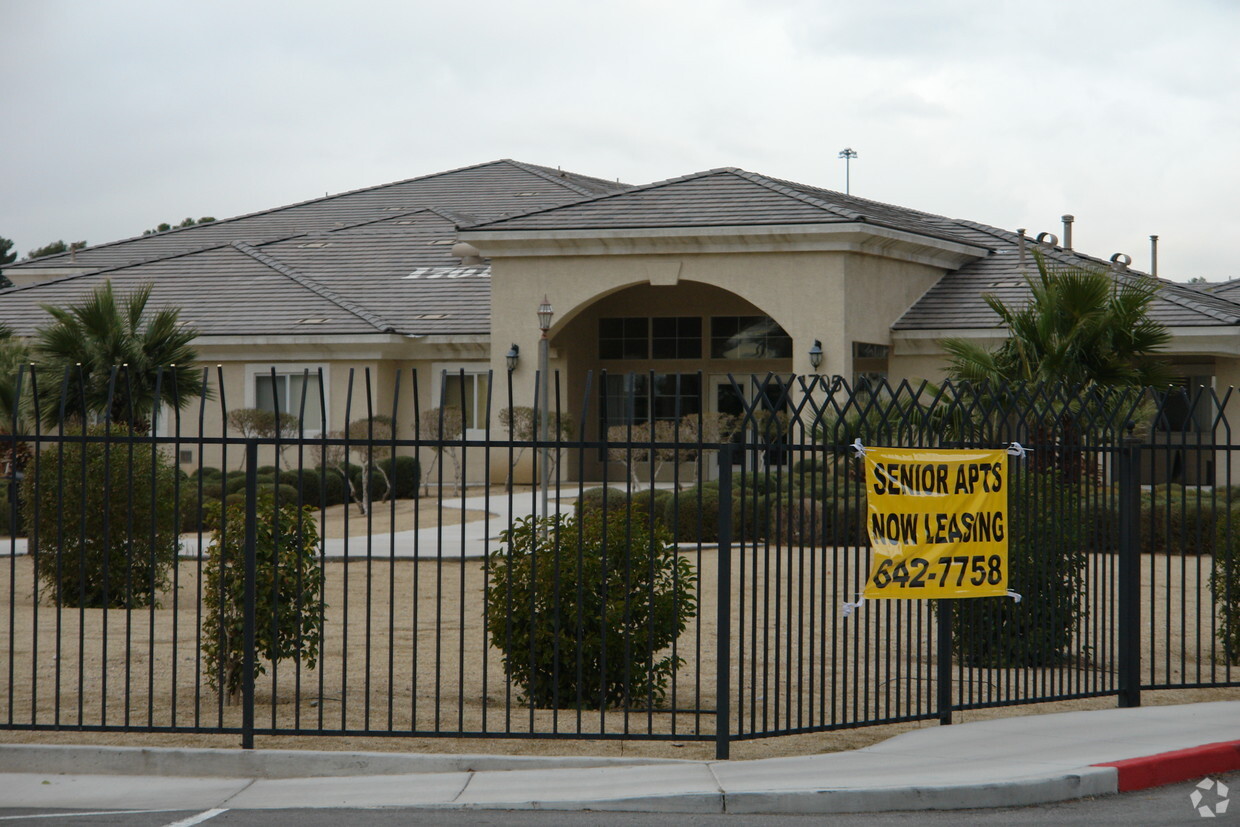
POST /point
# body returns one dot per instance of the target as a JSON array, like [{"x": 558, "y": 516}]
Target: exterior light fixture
[
  {"x": 513, "y": 354},
  {"x": 545, "y": 312},
  {"x": 815, "y": 355}
]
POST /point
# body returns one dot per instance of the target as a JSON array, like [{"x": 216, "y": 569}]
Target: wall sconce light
[
  {"x": 815, "y": 355},
  {"x": 513, "y": 354}
]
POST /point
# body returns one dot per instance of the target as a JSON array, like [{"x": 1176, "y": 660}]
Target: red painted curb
[{"x": 1180, "y": 765}]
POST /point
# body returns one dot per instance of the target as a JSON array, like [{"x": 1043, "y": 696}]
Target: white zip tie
[
  {"x": 1018, "y": 450},
  {"x": 858, "y": 447},
  {"x": 848, "y": 607},
  {"x": 1014, "y": 595}
]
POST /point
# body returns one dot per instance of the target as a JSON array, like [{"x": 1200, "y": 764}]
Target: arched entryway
[{"x": 663, "y": 353}]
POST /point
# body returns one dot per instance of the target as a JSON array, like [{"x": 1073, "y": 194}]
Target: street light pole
[
  {"x": 545, "y": 312},
  {"x": 847, "y": 153}
]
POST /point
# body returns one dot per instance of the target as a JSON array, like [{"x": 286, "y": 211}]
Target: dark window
[
  {"x": 676, "y": 337},
  {"x": 624, "y": 338},
  {"x": 748, "y": 337},
  {"x": 627, "y": 398}
]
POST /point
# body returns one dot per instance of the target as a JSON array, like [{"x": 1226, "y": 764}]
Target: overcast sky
[{"x": 119, "y": 115}]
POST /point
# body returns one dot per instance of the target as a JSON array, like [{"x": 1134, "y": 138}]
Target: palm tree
[
  {"x": 115, "y": 360},
  {"x": 1081, "y": 327}
]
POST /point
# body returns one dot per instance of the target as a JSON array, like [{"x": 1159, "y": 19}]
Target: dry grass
[{"x": 405, "y": 650}]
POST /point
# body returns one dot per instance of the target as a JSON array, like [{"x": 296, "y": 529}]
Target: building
[{"x": 670, "y": 288}]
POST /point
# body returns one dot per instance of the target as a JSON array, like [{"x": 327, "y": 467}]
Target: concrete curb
[
  {"x": 1178, "y": 765},
  {"x": 234, "y": 763}
]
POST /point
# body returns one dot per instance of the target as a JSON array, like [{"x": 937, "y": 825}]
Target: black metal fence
[{"x": 213, "y": 568}]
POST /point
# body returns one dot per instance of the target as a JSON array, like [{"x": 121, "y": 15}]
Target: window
[
  {"x": 869, "y": 365},
  {"x": 624, "y": 339},
  {"x": 290, "y": 389},
  {"x": 468, "y": 393},
  {"x": 676, "y": 337},
  {"x": 748, "y": 337},
  {"x": 662, "y": 337},
  {"x": 675, "y": 396},
  {"x": 467, "y": 390}
]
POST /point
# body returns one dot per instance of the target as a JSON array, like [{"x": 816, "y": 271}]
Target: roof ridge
[
  {"x": 606, "y": 195},
  {"x": 781, "y": 187},
  {"x": 546, "y": 174},
  {"x": 122, "y": 266},
  {"x": 271, "y": 210},
  {"x": 313, "y": 286}
]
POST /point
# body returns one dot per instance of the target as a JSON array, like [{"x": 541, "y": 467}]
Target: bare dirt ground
[{"x": 406, "y": 651}]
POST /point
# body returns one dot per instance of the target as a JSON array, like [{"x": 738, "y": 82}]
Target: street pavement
[{"x": 1007, "y": 762}]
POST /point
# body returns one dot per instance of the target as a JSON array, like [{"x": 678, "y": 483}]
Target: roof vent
[
  {"x": 1067, "y": 231},
  {"x": 1154, "y": 256},
  {"x": 1120, "y": 262},
  {"x": 467, "y": 253},
  {"x": 310, "y": 321},
  {"x": 1047, "y": 239}
]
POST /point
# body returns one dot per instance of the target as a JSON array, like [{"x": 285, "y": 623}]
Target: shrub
[
  {"x": 405, "y": 474},
  {"x": 234, "y": 482},
  {"x": 195, "y": 512},
  {"x": 694, "y": 514},
  {"x": 583, "y": 615},
  {"x": 1176, "y": 521},
  {"x": 207, "y": 472},
  {"x": 621, "y": 508},
  {"x": 305, "y": 481},
  {"x": 289, "y": 591},
  {"x": 333, "y": 488},
  {"x": 9, "y": 497},
  {"x": 1046, "y": 561},
  {"x": 101, "y": 542},
  {"x": 1225, "y": 584}
]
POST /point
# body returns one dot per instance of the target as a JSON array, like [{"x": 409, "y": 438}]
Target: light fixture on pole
[
  {"x": 545, "y": 312},
  {"x": 815, "y": 355},
  {"x": 511, "y": 357},
  {"x": 847, "y": 153}
]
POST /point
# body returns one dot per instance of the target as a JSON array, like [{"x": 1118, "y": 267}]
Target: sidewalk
[{"x": 1001, "y": 763}]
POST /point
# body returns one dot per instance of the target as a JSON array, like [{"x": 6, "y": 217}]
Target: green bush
[
  {"x": 268, "y": 471},
  {"x": 10, "y": 494},
  {"x": 1046, "y": 566},
  {"x": 333, "y": 488},
  {"x": 207, "y": 472},
  {"x": 234, "y": 482},
  {"x": 305, "y": 481},
  {"x": 196, "y": 512},
  {"x": 405, "y": 474},
  {"x": 583, "y": 614},
  {"x": 289, "y": 591},
  {"x": 1225, "y": 584},
  {"x": 102, "y": 543},
  {"x": 694, "y": 514},
  {"x": 620, "y": 508},
  {"x": 1180, "y": 522}
]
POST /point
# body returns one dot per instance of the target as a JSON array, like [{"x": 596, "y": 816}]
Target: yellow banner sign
[{"x": 938, "y": 523}]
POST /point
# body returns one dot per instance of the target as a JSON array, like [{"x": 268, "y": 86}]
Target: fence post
[
  {"x": 723, "y": 608},
  {"x": 943, "y": 669},
  {"x": 1129, "y": 474},
  {"x": 251, "y": 541}
]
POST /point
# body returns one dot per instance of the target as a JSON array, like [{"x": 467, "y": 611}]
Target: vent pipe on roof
[
  {"x": 1154, "y": 256},
  {"x": 1020, "y": 245},
  {"x": 1067, "y": 231}
]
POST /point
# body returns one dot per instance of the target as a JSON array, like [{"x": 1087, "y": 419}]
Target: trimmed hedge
[
  {"x": 1225, "y": 584},
  {"x": 405, "y": 474}
]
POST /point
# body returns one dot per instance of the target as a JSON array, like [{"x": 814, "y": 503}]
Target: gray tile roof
[
  {"x": 483, "y": 192},
  {"x": 726, "y": 197},
  {"x": 957, "y": 301}
]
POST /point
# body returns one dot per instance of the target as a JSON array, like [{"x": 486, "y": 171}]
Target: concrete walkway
[
  {"x": 468, "y": 540},
  {"x": 1009, "y": 762}
]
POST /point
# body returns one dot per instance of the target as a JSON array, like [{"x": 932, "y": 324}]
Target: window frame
[
  {"x": 471, "y": 369},
  {"x": 288, "y": 369}
]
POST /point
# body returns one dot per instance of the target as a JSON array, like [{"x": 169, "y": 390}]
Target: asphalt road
[{"x": 1168, "y": 805}]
